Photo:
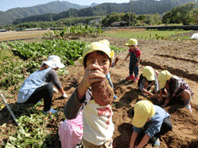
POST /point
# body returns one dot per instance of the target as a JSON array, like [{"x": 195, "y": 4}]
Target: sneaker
[
  {"x": 55, "y": 90},
  {"x": 136, "y": 79},
  {"x": 156, "y": 142},
  {"x": 39, "y": 102},
  {"x": 79, "y": 146},
  {"x": 52, "y": 111},
  {"x": 115, "y": 97},
  {"x": 130, "y": 77}
]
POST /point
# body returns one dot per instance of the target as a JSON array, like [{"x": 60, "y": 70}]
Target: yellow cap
[
  {"x": 143, "y": 110},
  {"x": 131, "y": 41},
  {"x": 163, "y": 76},
  {"x": 105, "y": 41},
  {"x": 149, "y": 73},
  {"x": 96, "y": 46}
]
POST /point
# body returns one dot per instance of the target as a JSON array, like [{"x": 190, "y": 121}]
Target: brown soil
[
  {"x": 21, "y": 35},
  {"x": 180, "y": 58}
]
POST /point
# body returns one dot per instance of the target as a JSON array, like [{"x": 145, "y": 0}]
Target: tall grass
[{"x": 146, "y": 34}]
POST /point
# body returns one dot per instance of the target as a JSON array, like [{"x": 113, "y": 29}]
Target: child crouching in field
[
  {"x": 94, "y": 96},
  {"x": 176, "y": 87},
  {"x": 152, "y": 120},
  {"x": 148, "y": 78}
]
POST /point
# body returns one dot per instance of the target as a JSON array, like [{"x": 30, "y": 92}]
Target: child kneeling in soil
[
  {"x": 176, "y": 87},
  {"x": 152, "y": 120},
  {"x": 148, "y": 78},
  {"x": 94, "y": 96}
]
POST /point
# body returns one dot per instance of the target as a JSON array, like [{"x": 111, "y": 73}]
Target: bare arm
[
  {"x": 144, "y": 141},
  {"x": 127, "y": 56},
  {"x": 166, "y": 102},
  {"x": 148, "y": 93},
  {"x": 145, "y": 89},
  {"x": 138, "y": 61},
  {"x": 133, "y": 138},
  {"x": 61, "y": 90}
]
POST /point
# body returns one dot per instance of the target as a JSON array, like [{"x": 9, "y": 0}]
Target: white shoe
[
  {"x": 188, "y": 106},
  {"x": 52, "y": 111},
  {"x": 55, "y": 90},
  {"x": 64, "y": 95}
]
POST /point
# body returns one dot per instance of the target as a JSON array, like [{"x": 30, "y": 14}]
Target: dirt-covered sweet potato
[{"x": 102, "y": 93}]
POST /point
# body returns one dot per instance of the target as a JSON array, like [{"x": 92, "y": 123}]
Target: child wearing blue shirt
[
  {"x": 148, "y": 78},
  {"x": 152, "y": 120}
]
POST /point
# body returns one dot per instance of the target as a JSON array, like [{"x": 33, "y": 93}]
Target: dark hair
[
  {"x": 85, "y": 58},
  {"x": 172, "y": 85},
  {"x": 44, "y": 65}
]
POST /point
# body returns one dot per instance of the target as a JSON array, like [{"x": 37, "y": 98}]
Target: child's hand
[
  {"x": 116, "y": 60},
  {"x": 93, "y": 73},
  {"x": 137, "y": 64},
  {"x": 150, "y": 95}
]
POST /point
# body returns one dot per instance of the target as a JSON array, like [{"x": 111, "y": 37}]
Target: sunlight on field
[
  {"x": 5, "y": 36},
  {"x": 142, "y": 33}
]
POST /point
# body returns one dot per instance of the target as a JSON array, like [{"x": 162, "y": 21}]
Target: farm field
[
  {"x": 15, "y": 35},
  {"x": 179, "y": 57}
]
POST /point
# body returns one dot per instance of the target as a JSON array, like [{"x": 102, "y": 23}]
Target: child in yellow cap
[
  {"x": 176, "y": 87},
  {"x": 134, "y": 54},
  {"x": 148, "y": 78},
  {"x": 98, "y": 127},
  {"x": 114, "y": 63},
  {"x": 151, "y": 119}
]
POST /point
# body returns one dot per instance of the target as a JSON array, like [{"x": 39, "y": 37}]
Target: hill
[
  {"x": 138, "y": 7},
  {"x": 10, "y": 15},
  {"x": 59, "y": 10}
]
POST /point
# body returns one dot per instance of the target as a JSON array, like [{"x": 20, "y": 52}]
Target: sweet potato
[{"x": 102, "y": 93}]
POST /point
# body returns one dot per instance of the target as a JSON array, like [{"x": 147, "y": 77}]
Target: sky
[{"x": 9, "y": 4}]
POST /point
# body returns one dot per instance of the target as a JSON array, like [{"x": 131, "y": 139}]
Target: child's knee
[{"x": 186, "y": 96}]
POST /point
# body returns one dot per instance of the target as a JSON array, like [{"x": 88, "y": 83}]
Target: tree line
[{"x": 186, "y": 14}]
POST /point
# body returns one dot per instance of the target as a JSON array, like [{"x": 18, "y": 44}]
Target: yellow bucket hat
[
  {"x": 143, "y": 110},
  {"x": 163, "y": 76},
  {"x": 131, "y": 41},
  {"x": 97, "y": 46},
  {"x": 149, "y": 73}
]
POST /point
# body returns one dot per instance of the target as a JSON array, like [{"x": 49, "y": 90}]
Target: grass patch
[
  {"x": 146, "y": 34},
  {"x": 117, "y": 49}
]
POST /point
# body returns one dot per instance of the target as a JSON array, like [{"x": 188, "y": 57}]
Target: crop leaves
[
  {"x": 14, "y": 70},
  {"x": 69, "y": 51},
  {"x": 33, "y": 130}
]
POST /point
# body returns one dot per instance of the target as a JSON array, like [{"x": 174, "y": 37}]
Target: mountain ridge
[
  {"x": 60, "y": 10},
  {"x": 7, "y": 17}
]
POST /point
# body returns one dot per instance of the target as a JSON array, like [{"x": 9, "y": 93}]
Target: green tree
[{"x": 184, "y": 14}]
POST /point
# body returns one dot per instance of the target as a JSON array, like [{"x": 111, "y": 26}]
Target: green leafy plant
[
  {"x": 13, "y": 70},
  {"x": 3, "y": 45},
  {"x": 33, "y": 130}
]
